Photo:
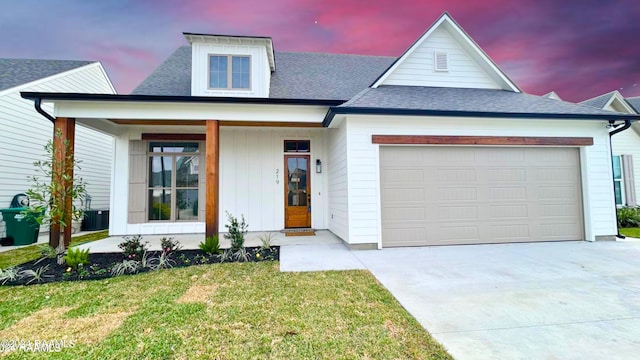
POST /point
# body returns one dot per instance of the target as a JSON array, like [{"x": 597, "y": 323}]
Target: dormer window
[{"x": 229, "y": 72}]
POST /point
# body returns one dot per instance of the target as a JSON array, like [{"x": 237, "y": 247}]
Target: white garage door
[{"x": 472, "y": 195}]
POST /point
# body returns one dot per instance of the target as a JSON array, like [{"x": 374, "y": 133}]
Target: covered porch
[{"x": 241, "y": 153}]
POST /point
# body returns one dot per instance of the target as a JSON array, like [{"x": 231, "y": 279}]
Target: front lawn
[
  {"x": 222, "y": 311},
  {"x": 32, "y": 252},
  {"x": 631, "y": 232}
]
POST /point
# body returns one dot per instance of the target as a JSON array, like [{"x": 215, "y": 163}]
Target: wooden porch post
[
  {"x": 64, "y": 131},
  {"x": 213, "y": 177}
]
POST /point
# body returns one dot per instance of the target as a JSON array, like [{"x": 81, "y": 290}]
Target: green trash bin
[{"x": 24, "y": 230}]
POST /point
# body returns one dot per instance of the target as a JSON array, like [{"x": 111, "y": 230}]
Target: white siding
[
  {"x": 338, "y": 206},
  {"x": 418, "y": 68},
  {"x": 25, "y": 132},
  {"x": 628, "y": 143},
  {"x": 363, "y": 157},
  {"x": 260, "y": 72},
  {"x": 251, "y": 180}
]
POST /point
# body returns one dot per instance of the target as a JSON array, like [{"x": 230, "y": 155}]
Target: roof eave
[
  {"x": 176, "y": 99},
  {"x": 477, "y": 114}
]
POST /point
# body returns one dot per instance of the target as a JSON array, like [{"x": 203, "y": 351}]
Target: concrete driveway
[{"x": 568, "y": 300}]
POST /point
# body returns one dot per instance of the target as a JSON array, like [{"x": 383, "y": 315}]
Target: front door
[{"x": 297, "y": 207}]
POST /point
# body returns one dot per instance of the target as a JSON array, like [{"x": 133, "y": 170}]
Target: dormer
[{"x": 231, "y": 66}]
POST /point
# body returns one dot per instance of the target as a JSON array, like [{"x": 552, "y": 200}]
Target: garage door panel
[
  {"x": 480, "y": 195},
  {"x": 401, "y": 176}
]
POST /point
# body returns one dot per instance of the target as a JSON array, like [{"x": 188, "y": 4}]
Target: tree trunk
[{"x": 60, "y": 248}]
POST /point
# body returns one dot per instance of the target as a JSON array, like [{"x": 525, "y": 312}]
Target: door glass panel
[
  {"x": 297, "y": 181},
  {"x": 187, "y": 204},
  {"x": 160, "y": 171},
  {"x": 160, "y": 204},
  {"x": 187, "y": 170}
]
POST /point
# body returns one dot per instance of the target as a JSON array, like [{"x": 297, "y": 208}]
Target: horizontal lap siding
[
  {"x": 338, "y": 190},
  {"x": 363, "y": 208},
  {"x": 25, "y": 132},
  {"x": 418, "y": 70}
]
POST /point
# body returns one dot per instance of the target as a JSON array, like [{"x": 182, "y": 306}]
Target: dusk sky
[{"x": 579, "y": 48}]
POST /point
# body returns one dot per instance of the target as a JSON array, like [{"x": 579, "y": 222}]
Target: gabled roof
[
  {"x": 298, "y": 76},
  {"x": 635, "y": 102},
  {"x": 614, "y": 99},
  {"x": 464, "y": 102},
  {"x": 446, "y": 21},
  {"x": 15, "y": 72},
  {"x": 552, "y": 95},
  {"x": 235, "y": 39}
]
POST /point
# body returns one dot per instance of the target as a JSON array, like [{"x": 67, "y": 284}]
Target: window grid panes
[
  {"x": 299, "y": 146},
  {"x": 174, "y": 169},
  {"x": 229, "y": 72},
  {"x": 617, "y": 179}
]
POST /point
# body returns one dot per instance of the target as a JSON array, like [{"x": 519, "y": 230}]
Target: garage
[{"x": 450, "y": 195}]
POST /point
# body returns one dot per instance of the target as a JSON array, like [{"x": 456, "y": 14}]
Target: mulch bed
[{"x": 101, "y": 264}]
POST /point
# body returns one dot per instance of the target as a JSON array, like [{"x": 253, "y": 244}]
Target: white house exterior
[
  {"x": 24, "y": 133},
  {"x": 625, "y": 148},
  {"x": 435, "y": 147}
]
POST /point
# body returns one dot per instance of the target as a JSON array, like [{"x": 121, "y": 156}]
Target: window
[
  {"x": 229, "y": 72},
  {"x": 173, "y": 181},
  {"x": 618, "y": 180},
  {"x": 301, "y": 146}
]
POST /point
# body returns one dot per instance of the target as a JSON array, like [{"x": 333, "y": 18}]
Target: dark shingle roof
[
  {"x": 297, "y": 75},
  {"x": 468, "y": 100},
  {"x": 635, "y": 103},
  {"x": 599, "y": 101},
  {"x": 14, "y": 72}
]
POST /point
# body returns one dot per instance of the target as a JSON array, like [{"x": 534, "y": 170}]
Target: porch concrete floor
[{"x": 191, "y": 241}]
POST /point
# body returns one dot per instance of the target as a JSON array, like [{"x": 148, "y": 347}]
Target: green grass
[
  {"x": 234, "y": 311},
  {"x": 631, "y": 232},
  {"x": 32, "y": 252}
]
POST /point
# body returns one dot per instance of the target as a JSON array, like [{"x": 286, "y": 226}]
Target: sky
[{"x": 578, "y": 48}]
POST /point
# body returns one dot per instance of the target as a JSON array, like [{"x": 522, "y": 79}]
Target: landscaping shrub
[
  {"x": 76, "y": 257},
  {"x": 211, "y": 245},
  {"x": 236, "y": 231},
  {"x": 628, "y": 217},
  {"x": 132, "y": 247},
  {"x": 169, "y": 245}
]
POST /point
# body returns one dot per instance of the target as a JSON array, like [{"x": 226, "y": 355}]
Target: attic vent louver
[{"x": 441, "y": 61}]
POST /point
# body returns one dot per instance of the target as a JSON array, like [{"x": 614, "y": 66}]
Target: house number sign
[{"x": 277, "y": 176}]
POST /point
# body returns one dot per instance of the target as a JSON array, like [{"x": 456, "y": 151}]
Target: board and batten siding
[
  {"x": 260, "y": 72},
  {"x": 252, "y": 176},
  {"x": 418, "y": 68},
  {"x": 628, "y": 143},
  {"x": 25, "y": 132},
  {"x": 338, "y": 205},
  {"x": 363, "y": 158}
]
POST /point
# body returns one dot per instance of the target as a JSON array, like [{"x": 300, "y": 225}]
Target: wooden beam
[
  {"x": 177, "y": 137},
  {"x": 212, "y": 157},
  {"x": 159, "y": 122},
  {"x": 296, "y": 124},
  {"x": 63, "y": 133},
  {"x": 480, "y": 140}
]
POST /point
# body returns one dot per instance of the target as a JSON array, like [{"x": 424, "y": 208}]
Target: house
[
  {"x": 24, "y": 133},
  {"x": 438, "y": 146},
  {"x": 625, "y": 148}
]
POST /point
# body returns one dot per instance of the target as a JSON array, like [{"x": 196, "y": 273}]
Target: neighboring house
[
  {"x": 435, "y": 147},
  {"x": 625, "y": 148},
  {"x": 24, "y": 133}
]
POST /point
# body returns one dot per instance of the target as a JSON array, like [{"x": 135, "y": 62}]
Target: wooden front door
[{"x": 297, "y": 192}]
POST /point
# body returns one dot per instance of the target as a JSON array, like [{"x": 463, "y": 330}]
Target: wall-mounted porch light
[{"x": 318, "y": 166}]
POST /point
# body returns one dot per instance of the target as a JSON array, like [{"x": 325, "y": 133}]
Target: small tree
[{"x": 50, "y": 188}]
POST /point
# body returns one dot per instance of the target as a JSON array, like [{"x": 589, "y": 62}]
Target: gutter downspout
[
  {"x": 617, "y": 129},
  {"x": 38, "y": 105}
]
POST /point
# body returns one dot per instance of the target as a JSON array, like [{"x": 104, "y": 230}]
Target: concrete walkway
[{"x": 567, "y": 300}]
